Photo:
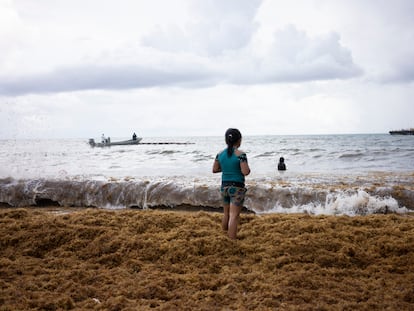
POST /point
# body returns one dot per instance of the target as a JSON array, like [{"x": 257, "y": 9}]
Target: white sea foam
[{"x": 344, "y": 203}]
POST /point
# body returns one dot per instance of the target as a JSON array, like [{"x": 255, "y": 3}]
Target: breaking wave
[{"x": 262, "y": 197}]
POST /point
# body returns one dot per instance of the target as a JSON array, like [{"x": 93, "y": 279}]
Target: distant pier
[
  {"x": 166, "y": 143},
  {"x": 137, "y": 141}
]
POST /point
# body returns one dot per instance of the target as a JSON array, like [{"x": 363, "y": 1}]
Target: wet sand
[{"x": 94, "y": 259}]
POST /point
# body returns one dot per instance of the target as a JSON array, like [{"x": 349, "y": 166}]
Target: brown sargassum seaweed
[{"x": 94, "y": 259}]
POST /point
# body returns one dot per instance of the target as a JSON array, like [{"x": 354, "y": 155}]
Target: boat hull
[
  {"x": 92, "y": 143},
  {"x": 402, "y": 132}
]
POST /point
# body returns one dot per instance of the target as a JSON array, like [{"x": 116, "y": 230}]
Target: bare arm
[
  {"x": 245, "y": 169},
  {"x": 244, "y": 165},
  {"x": 216, "y": 166}
]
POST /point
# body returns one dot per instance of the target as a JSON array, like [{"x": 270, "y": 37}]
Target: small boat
[
  {"x": 403, "y": 132},
  {"x": 108, "y": 142}
]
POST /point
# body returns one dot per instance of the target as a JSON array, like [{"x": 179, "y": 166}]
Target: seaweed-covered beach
[{"x": 95, "y": 259}]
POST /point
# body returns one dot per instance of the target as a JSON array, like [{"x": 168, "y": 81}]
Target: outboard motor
[{"x": 92, "y": 142}]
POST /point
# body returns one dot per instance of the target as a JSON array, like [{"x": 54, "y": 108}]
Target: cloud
[
  {"x": 216, "y": 46},
  {"x": 381, "y": 35},
  {"x": 398, "y": 71},
  {"x": 12, "y": 34},
  {"x": 103, "y": 77},
  {"x": 292, "y": 57},
  {"x": 217, "y": 27}
]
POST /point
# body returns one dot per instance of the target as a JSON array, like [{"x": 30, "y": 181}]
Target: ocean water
[{"x": 326, "y": 174}]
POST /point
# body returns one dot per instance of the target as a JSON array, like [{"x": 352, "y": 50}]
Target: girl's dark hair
[{"x": 232, "y": 136}]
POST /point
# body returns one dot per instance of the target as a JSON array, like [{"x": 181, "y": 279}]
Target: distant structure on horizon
[{"x": 403, "y": 132}]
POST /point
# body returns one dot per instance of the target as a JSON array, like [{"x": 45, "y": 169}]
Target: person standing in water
[
  {"x": 233, "y": 165},
  {"x": 281, "y": 166}
]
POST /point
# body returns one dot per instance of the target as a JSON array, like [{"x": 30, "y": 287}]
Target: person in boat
[
  {"x": 233, "y": 165},
  {"x": 281, "y": 166},
  {"x": 103, "y": 139},
  {"x": 134, "y": 136}
]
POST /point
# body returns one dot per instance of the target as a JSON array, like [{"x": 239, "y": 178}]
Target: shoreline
[
  {"x": 167, "y": 259},
  {"x": 179, "y": 208}
]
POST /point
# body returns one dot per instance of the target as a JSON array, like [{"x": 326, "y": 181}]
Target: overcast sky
[{"x": 80, "y": 68}]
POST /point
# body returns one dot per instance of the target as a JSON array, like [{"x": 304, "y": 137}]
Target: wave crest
[{"x": 151, "y": 193}]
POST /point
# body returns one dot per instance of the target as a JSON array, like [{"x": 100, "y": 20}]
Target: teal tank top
[{"x": 230, "y": 166}]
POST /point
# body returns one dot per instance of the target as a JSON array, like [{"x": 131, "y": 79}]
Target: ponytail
[{"x": 232, "y": 136}]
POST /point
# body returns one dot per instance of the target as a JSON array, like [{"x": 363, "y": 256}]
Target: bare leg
[
  {"x": 233, "y": 220},
  {"x": 225, "y": 221}
]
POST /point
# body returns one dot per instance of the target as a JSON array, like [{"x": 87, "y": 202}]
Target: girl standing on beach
[{"x": 232, "y": 163}]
